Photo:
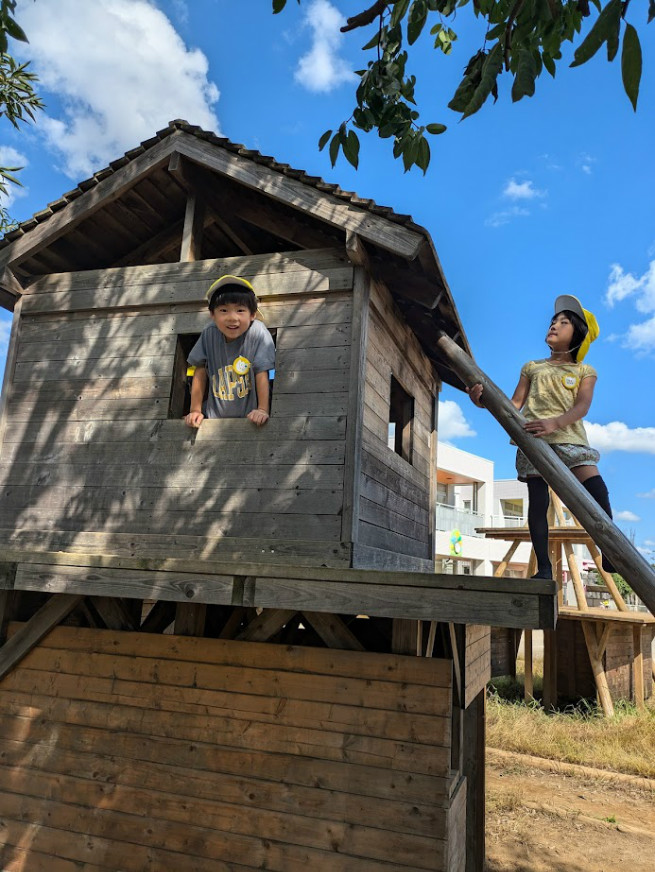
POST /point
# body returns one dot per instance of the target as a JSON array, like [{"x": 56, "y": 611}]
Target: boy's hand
[
  {"x": 194, "y": 419},
  {"x": 475, "y": 393},
  {"x": 258, "y": 417}
]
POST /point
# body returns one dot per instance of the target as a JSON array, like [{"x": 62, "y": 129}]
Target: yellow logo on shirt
[
  {"x": 570, "y": 381},
  {"x": 241, "y": 365}
]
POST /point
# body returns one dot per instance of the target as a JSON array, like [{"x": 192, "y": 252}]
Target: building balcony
[{"x": 449, "y": 518}]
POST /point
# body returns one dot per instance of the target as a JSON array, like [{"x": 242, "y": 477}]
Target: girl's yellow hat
[{"x": 567, "y": 302}]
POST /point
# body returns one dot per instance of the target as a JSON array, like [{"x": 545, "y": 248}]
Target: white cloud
[
  {"x": 649, "y": 495},
  {"x": 452, "y": 423},
  {"x": 522, "y": 190},
  {"x": 121, "y": 72},
  {"x": 617, "y": 436},
  {"x": 9, "y": 158},
  {"x": 505, "y": 216},
  {"x": 626, "y": 515},
  {"x": 322, "y": 69},
  {"x": 640, "y": 337},
  {"x": 586, "y": 162}
]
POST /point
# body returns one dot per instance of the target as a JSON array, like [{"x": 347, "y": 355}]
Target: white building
[{"x": 468, "y": 497}]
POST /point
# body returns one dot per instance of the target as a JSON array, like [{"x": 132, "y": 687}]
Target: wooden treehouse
[
  {"x": 593, "y": 651},
  {"x": 228, "y": 648}
]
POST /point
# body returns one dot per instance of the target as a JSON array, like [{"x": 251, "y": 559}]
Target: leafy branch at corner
[
  {"x": 522, "y": 38},
  {"x": 18, "y": 99}
]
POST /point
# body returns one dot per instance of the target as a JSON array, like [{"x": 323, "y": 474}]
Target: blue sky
[{"x": 524, "y": 202}]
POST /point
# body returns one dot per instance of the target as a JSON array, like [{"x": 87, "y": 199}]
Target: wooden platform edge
[{"x": 414, "y": 596}]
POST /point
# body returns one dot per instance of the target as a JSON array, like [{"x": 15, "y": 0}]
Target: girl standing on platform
[{"x": 554, "y": 395}]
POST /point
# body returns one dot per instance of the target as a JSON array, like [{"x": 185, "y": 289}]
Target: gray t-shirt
[{"x": 231, "y": 368}]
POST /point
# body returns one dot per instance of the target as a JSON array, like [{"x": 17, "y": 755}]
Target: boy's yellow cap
[
  {"x": 228, "y": 280},
  {"x": 572, "y": 304}
]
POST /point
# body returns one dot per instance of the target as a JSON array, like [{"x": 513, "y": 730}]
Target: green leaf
[
  {"x": 490, "y": 71},
  {"x": 436, "y": 129},
  {"x": 651, "y": 10},
  {"x": 549, "y": 63},
  {"x": 526, "y": 73},
  {"x": 423, "y": 154},
  {"x": 374, "y": 42},
  {"x": 417, "y": 16},
  {"x": 351, "y": 148},
  {"x": 14, "y": 30},
  {"x": 334, "y": 148},
  {"x": 399, "y": 11},
  {"x": 631, "y": 64},
  {"x": 599, "y": 33},
  {"x": 613, "y": 32},
  {"x": 278, "y": 6},
  {"x": 323, "y": 140}
]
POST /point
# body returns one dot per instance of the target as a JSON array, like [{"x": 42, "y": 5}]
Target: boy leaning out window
[{"x": 232, "y": 357}]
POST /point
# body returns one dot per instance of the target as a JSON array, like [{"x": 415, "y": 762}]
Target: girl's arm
[
  {"x": 545, "y": 426},
  {"x": 260, "y": 415},
  {"x": 518, "y": 398}
]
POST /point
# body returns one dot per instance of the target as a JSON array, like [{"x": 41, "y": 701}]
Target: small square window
[{"x": 401, "y": 420}]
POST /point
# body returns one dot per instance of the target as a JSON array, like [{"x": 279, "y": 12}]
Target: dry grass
[{"x": 623, "y": 743}]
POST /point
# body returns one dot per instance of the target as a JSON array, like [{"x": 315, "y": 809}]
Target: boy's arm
[
  {"x": 260, "y": 415},
  {"x": 198, "y": 385}
]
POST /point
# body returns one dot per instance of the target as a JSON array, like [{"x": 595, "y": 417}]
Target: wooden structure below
[{"x": 592, "y": 650}]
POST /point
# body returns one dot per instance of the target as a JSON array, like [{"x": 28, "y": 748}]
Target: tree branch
[{"x": 365, "y": 17}]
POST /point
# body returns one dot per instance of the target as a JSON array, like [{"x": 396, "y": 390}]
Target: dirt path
[{"x": 546, "y": 822}]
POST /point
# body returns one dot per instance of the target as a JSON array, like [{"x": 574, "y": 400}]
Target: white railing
[
  {"x": 506, "y": 521},
  {"x": 450, "y": 518}
]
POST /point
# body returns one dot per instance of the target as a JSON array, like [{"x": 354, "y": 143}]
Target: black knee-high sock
[
  {"x": 538, "y": 522},
  {"x": 598, "y": 489}
]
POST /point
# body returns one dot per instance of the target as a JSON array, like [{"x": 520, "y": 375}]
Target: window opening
[
  {"x": 401, "y": 420},
  {"x": 180, "y": 402}
]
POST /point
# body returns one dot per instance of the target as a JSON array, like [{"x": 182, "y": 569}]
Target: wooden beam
[
  {"x": 638, "y": 666},
  {"x": 194, "y": 217},
  {"x": 404, "y": 637},
  {"x": 615, "y": 593},
  {"x": 305, "y": 198},
  {"x": 528, "y": 679},
  {"x": 596, "y": 660},
  {"x": 10, "y": 289},
  {"x": 113, "y": 613},
  {"x": 105, "y": 192},
  {"x": 266, "y": 625},
  {"x": 190, "y": 619},
  {"x": 333, "y": 631},
  {"x": 632, "y": 565},
  {"x": 152, "y": 247},
  {"x": 39, "y": 625},
  {"x": 160, "y": 616}
]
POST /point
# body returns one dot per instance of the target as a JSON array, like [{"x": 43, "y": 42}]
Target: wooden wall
[
  {"x": 89, "y": 461},
  {"x": 396, "y": 499},
  {"x": 137, "y": 751}
]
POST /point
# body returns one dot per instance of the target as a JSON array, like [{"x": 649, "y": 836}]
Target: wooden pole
[
  {"x": 596, "y": 657},
  {"x": 628, "y": 561},
  {"x": 528, "y": 680}
]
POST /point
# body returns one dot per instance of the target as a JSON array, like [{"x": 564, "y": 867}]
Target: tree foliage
[
  {"x": 18, "y": 99},
  {"x": 522, "y": 39}
]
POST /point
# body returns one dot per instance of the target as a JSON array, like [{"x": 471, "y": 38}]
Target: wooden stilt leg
[
  {"x": 638, "y": 666},
  {"x": 550, "y": 670},
  {"x": 529, "y": 679},
  {"x": 596, "y": 649},
  {"x": 607, "y": 578}
]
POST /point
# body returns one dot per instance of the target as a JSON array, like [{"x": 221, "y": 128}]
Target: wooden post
[
  {"x": 596, "y": 649},
  {"x": 528, "y": 682},
  {"x": 404, "y": 636},
  {"x": 638, "y": 666},
  {"x": 504, "y": 563},
  {"x": 630, "y": 563},
  {"x": 550, "y": 670},
  {"x": 474, "y": 770},
  {"x": 607, "y": 578}
]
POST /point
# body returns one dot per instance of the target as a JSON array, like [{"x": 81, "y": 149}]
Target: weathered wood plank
[
  {"x": 166, "y": 430},
  {"x": 314, "y": 336},
  {"x": 297, "y": 404},
  {"x": 388, "y": 498},
  {"x": 415, "y": 601},
  {"x": 388, "y": 519},
  {"x": 333, "y": 631},
  {"x": 26, "y": 409},
  {"x": 81, "y": 350},
  {"x": 154, "y": 293},
  {"x": 124, "y": 475},
  {"x": 288, "y": 552},
  {"x": 36, "y": 372},
  {"x": 381, "y": 537},
  {"x": 184, "y": 451},
  {"x": 371, "y": 558}
]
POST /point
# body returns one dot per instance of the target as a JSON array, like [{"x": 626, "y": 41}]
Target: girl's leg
[
  {"x": 594, "y": 484},
  {"x": 538, "y": 524}
]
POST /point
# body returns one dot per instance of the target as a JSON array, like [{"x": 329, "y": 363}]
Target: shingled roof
[{"x": 257, "y": 157}]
